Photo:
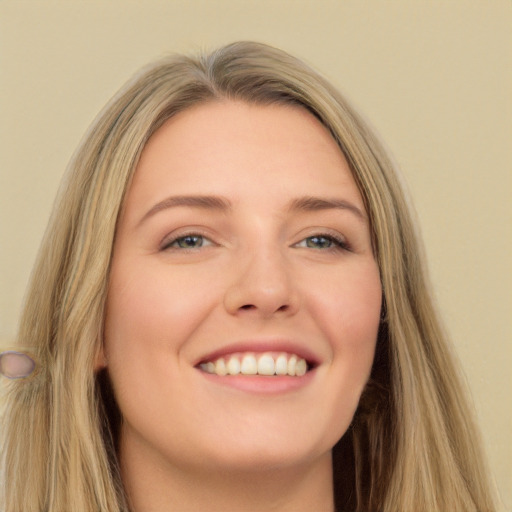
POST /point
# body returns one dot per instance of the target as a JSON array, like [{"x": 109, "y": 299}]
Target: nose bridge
[{"x": 262, "y": 282}]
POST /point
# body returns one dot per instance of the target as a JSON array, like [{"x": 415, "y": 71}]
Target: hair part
[{"x": 412, "y": 444}]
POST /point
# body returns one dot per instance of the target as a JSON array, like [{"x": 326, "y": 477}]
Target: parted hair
[{"x": 412, "y": 445}]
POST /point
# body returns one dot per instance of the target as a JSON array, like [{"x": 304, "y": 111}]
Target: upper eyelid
[
  {"x": 171, "y": 238},
  {"x": 338, "y": 239},
  {"x": 325, "y": 232},
  {"x": 185, "y": 231}
]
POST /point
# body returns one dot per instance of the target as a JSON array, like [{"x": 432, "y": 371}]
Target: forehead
[{"x": 242, "y": 150}]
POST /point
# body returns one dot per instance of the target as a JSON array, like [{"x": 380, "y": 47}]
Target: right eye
[{"x": 190, "y": 241}]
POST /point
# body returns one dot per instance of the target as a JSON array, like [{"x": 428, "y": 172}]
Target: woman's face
[{"x": 243, "y": 250}]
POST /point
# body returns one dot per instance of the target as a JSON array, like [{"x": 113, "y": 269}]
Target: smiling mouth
[{"x": 267, "y": 364}]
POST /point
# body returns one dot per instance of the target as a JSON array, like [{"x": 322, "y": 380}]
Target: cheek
[
  {"x": 153, "y": 306},
  {"x": 349, "y": 307},
  {"x": 150, "y": 316},
  {"x": 348, "y": 312}
]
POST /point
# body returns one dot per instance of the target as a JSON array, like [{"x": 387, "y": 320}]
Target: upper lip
[{"x": 262, "y": 346}]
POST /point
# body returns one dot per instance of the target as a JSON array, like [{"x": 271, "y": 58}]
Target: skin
[{"x": 191, "y": 442}]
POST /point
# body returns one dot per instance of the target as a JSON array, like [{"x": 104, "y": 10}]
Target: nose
[{"x": 262, "y": 286}]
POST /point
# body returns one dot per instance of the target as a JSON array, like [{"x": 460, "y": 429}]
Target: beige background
[{"x": 434, "y": 78}]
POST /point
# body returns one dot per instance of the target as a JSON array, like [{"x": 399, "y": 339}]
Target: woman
[{"x": 230, "y": 312}]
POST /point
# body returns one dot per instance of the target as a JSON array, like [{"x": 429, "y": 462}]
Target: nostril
[{"x": 248, "y": 307}]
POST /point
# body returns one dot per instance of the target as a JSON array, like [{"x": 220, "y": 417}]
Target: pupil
[
  {"x": 318, "y": 241},
  {"x": 190, "y": 241}
]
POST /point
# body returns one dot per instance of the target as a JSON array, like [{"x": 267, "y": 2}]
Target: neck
[{"x": 301, "y": 488}]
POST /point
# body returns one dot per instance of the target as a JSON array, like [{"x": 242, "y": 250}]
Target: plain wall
[{"x": 433, "y": 77}]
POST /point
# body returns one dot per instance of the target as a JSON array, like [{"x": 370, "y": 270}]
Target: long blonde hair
[{"x": 412, "y": 445}]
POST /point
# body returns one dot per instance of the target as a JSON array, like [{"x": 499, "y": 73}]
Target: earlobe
[{"x": 100, "y": 361}]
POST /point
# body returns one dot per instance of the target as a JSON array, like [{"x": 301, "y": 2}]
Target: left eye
[
  {"x": 188, "y": 242},
  {"x": 322, "y": 242}
]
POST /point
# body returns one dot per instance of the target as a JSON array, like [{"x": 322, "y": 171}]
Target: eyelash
[
  {"x": 337, "y": 243},
  {"x": 168, "y": 244}
]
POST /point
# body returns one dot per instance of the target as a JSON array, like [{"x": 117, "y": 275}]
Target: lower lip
[{"x": 261, "y": 384}]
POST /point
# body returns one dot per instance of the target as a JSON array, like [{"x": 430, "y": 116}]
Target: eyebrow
[
  {"x": 221, "y": 204},
  {"x": 311, "y": 203},
  {"x": 203, "y": 202}
]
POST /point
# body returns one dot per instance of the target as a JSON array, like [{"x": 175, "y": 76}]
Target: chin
[
  {"x": 268, "y": 451},
  {"x": 259, "y": 460}
]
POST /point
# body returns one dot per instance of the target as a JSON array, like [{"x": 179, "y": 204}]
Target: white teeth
[
  {"x": 233, "y": 366},
  {"x": 249, "y": 365},
  {"x": 282, "y": 365},
  {"x": 301, "y": 368},
  {"x": 220, "y": 367},
  {"x": 266, "y": 364},
  {"x": 292, "y": 363}
]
